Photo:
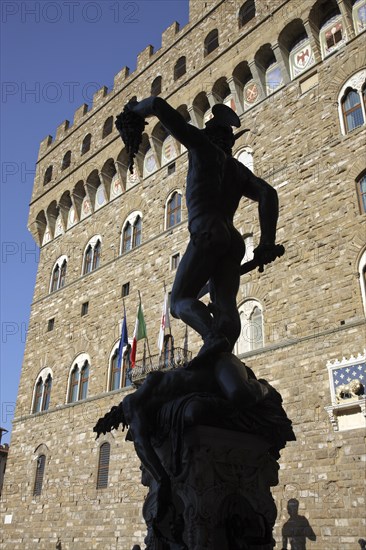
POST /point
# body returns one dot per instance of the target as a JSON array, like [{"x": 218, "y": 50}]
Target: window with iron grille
[
  {"x": 41, "y": 461},
  {"x": 103, "y": 466},
  {"x": 84, "y": 308},
  {"x": 171, "y": 168},
  {"x": 125, "y": 290},
  {"x": 50, "y": 324},
  {"x": 175, "y": 261}
]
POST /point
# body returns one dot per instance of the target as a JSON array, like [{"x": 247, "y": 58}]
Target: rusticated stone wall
[{"x": 312, "y": 304}]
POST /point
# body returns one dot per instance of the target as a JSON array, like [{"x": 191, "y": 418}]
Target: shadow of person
[{"x": 296, "y": 529}]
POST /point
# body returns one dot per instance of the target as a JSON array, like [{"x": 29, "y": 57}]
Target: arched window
[
  {"x": 156, "y": 86},
  {"x": 47, "y": 393},
  {"x": 38, "y": 396},
  {"x": 256, "y": 328},
  {"x": 352, "y": 102},
  {"x": 180, "y": 68},
  {"x": 42, "y": 391},
  {"x": 352, "y": 110},
  {"x": 361, "y": 190},
  {"x": 174, "y": 210},
  {"x": 115, "y": 378},
  {"x": 84, "y": 382},
  {"x": 245, "y": 156},
  {"x": 108, "y": 127},
  {"x": 120, "y": 371},
  {"x": 131, "y": 232},
  {"x": 246, "y": 13},
  {"x": 92, "y": 255},
  {"x": 58, "y": 277},
  {"x": 48, "y": 175},
  {"x": 96, "y": 257},
  {"x": 136, "y": 241},
  {"x": 103, "y": 465},
  {"x": 66, "y": 161},
  {"x": 127, "y": 237},
  {"x": 79, "y": 379},
  {"x": 211, "y": 42},
  {"x": 74, "y": 385},
  {"x": 88, "y": 260},
  {"x": 85, "y": 147},
  {"x": 63, "y": 274},
  {"x": 359, "y": 15},
  {"x": 38, "y": 481},
  {"x": 251, "y": 336}
]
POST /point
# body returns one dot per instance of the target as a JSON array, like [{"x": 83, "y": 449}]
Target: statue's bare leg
[
  {"x": 195, "y": 268},
  {"x": 224, "y": 286}
]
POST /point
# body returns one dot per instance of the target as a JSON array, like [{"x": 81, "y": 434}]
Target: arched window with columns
[
  {"x": 252, "y": 328},
  {"x": 58, "y": 277},
  {"x": 79, "y": 379},
  {"x": 42, "y": 391},
  {"x": 119, "y": 370},
  {"x": 131, "y": 232},
  {"x": 92, "y": 254}
]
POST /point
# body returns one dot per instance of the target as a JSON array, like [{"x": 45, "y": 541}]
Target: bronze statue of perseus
[{"x": 216, "y": 182}]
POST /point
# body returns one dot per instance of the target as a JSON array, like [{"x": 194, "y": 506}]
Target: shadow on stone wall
[{"x": 296, "y": 529}]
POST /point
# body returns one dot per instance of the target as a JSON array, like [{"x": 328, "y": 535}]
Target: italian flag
[{"x": 139, "y": 333}]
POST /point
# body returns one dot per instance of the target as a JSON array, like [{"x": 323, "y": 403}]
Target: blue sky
[{"x": 45, "y": 46}]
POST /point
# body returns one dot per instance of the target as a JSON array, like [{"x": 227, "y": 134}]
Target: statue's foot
[{"x": 214, "y": 343}]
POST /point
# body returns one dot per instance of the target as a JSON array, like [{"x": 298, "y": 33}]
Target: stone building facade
[{"x": 295, "y": 74}]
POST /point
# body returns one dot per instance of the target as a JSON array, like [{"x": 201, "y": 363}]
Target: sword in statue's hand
[{"x": 278, "y": 250}]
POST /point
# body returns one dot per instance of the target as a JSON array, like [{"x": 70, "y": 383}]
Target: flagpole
[{"x": 147, "y": 340}]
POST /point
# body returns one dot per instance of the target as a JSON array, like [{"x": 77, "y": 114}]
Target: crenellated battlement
[
  {"x": 144, "y": 58},
  {"x": 120, "y": 78},
  {"x": 168, "y": 36},
  {"x": 62, "y": 129}
]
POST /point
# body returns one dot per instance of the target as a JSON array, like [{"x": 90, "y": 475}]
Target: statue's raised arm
[{"x": 131, "y": 123}]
